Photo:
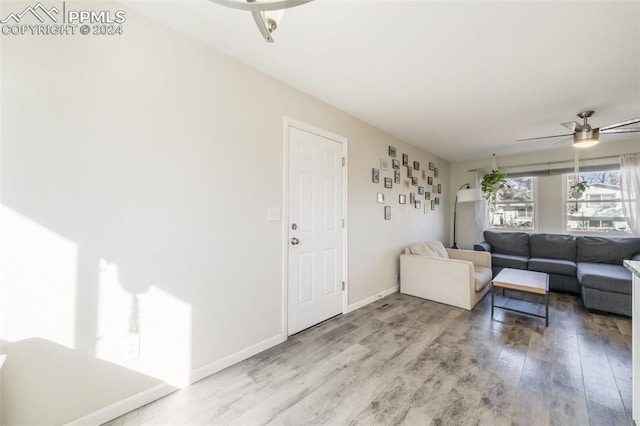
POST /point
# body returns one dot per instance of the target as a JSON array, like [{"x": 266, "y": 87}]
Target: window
[
  {"x": 515, "y": 205},
  {"x": 599, "y": 208}
]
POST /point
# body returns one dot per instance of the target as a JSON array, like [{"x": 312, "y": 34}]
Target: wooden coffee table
[{"x": 525, "y": 281}]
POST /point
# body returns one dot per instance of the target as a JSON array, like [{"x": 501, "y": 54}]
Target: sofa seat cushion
[
  {"x": 482, "y": 277},
  {"x": 553, "y": 246},
  {"x": 509, "y": 261},
  {"x": 553, "y": 266},
  {"x": 604, "y": 277},
  {"x": 511, "y": 243}
]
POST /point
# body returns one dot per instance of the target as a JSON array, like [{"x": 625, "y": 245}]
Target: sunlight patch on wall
[
  {"x": 147, "y": 332},
  {"x": 38, "y": 281}
]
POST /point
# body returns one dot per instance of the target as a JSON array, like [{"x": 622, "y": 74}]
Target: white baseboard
[
  {"x": 365, "y": 302},
  {"x": 119, "y": 408}
]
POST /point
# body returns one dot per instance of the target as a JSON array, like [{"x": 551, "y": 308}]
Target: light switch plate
[{"x": 273, "y": 214}]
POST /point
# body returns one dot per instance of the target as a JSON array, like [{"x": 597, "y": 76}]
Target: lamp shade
[{"x": 469, "y": 195}]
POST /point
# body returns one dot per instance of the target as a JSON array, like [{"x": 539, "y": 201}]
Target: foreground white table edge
[{"x": 634, "y": 267}]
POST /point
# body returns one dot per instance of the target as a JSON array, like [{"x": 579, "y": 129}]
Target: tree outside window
[
  {"x": 515, "y": 205},
  {"x": 599, "y": 208}
]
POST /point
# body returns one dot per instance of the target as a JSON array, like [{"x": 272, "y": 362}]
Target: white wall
[
  {"x": 549, "y": 190},
  {"x": 136, "y": 172}
]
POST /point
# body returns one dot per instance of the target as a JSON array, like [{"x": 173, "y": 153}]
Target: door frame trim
[{"x": 288, "y": 123}]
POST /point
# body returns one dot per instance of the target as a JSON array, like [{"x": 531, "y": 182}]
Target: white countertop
[{"x": 633, "y": 266}]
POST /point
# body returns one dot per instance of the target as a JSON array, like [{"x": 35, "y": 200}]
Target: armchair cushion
[
  {"x": 482, "y": 277},
  {"x": 421, "y": 249},
  {"x": 438, "y": 248}
]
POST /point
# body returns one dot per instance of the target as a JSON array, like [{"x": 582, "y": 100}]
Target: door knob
[{"x": 295, "y": 241}]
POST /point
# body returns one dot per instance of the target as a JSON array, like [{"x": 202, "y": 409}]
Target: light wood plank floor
[{"x": 404, "y": 360}]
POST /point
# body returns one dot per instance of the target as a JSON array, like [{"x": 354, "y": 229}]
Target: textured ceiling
[{"x": 459, "y": 79}]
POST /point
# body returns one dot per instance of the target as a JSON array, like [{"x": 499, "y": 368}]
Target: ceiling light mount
[{"x": 266, "y": 13}]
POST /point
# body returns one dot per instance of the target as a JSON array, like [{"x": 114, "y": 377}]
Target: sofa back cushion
[
  {"x": 552, "y": 246},
  {"x": 606, "y": 250},
  {"x": 512, "y": 243}
]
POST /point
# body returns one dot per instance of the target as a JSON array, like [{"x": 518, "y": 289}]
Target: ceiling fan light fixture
[{"x": 585, "y": 139}]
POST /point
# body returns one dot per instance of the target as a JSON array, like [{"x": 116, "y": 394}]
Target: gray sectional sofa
[{"x": 590, "y": 266}]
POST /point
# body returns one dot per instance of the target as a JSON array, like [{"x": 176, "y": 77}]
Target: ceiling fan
[
  {"x": 267, "y": 14},
  {"x": 584, "y": 135}
]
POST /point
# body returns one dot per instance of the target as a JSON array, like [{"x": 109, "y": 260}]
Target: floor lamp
[{"x": 465, "y": 194}]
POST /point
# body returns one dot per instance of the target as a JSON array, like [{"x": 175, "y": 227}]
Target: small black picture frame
[
  {"x": 396, "y": 176},
  {"x": 405, "y": 160},
  {"x": 392, "y": 151},
  {"x": 414, "y": 181},
  {"x": 388, "y": 182},
  {"x": 421, "y": 190},
  {"x": 427, "y": 195},
  {"x": 409, "y": 172},
  {"x": 433, "y": 204},
  {"x": 437, "y": 200},
  {"x": 395, "y": 164},
  {"x": 439, "y": 188},
  {"x": 387, "y": 212},
  {"x": 375, "y": 175},
  {"x": 412, "y": 198},
  {"x": 416, "y": 165},
  {"x": 435, "y": 172},
  {"x": 418, "y": 204},
  {"x": 432, "y": 166},
  {"x": 429, "y": 180},
  {"x": 402, "y": 199}
]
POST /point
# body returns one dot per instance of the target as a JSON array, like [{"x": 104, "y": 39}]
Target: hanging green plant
[
  {"x": 577, "y": 189},
  {"x": 491, "y": 183}
]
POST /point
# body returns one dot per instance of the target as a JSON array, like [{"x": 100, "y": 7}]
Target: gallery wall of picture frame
[{"x": 388, "y": 172}]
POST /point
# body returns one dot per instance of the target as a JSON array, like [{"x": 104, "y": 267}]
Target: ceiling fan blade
[
  {"x": 620, "y": 124},
  {"x": 262, "y": 26},
  {"x": 543, "y": 137},
  {"x": 563, "y": 140},
  {"x": 261, "y": 5},
  {"x": 572, "y": 125},
  {"x": 608, "y": 132}
]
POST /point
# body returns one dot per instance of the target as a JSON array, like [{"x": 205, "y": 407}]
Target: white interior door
[{"x": 315, "y": 229}]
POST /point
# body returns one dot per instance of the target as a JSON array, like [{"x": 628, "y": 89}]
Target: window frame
[
  {"x": 535, "y": 218},
  {"x": 565, "y": 204}
]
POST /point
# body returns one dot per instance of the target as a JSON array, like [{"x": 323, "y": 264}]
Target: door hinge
[
  {"x": 342, "y": 285},
  {"x": 344, "y": 161}
]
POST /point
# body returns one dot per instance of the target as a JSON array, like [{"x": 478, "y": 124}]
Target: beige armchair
[{"x": 454, "y": 277}]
